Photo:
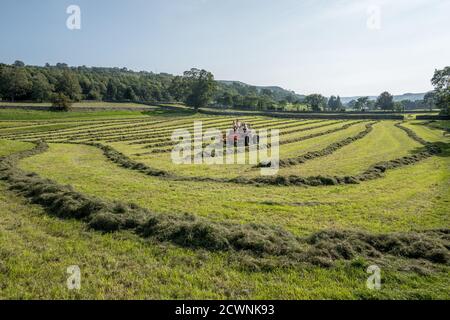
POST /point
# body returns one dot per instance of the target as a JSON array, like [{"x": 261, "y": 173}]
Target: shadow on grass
[{"x": 445, "y": 149}]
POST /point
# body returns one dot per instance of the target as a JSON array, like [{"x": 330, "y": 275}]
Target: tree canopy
[
  {"x": 441, "y": 93},
  {"x": 335, "y": 104},
  {"x": 385, "y": 101},
  {"x": 198, "y": 87},
  {"x": 362, "y": 103},
  {"x": 316, "y": 102}
]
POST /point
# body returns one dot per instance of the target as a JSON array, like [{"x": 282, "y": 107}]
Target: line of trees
[
  {"x": 242, "y": 96},
  {"x": 31, "y": 83},
  {"x": 439, "y": 98},
  {"x": 196, "y": 88},
  {"x": 441, "y": 94}
]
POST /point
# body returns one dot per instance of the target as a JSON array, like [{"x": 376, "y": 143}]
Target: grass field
[
  {"x": 83, "y": 104},
  {"x": 37, "y": 246}
]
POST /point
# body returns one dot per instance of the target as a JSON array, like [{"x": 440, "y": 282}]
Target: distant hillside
[
  {"x": 405, "y": 96},
  {"x": 278, "y": 92}
]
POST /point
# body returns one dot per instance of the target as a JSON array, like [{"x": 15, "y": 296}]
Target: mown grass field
[{"x": 37, "y": 246}]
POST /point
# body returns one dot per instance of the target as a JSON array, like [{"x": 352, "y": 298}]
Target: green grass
[
  {"x": 18, "y": 114},
  {"x": 163, "y": 161},
  {"x": 385, "y": 142},
  {"x": 410, "y": 198},
  {"x": 7, "y": 147},
  {"x": 432, "y": 133},
  {"x": 36, "y": 248}
]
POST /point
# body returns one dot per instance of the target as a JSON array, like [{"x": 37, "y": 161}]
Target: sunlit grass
[{"x": 36, "y": 249}]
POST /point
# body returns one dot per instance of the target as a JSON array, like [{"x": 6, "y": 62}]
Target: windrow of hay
[
  {"x": 162, "y": 137},
  {"x": 330, "y": 245},
  {"x": 377, "y": 170},
  {"x": 373, "y": 172},
  {"x": 126, "y": 162},
  {"x": 261, "y": 245},
  {"x": 279, "y": 125},
  {"x": 325, "y": 151},
  {"x": 84, "y": 133},
  {"x": 165, "y": 143},
  {"x": 90, "y": 124},
  {"x": 282, "y": 142},
  {"x": 318, "y": 134},
  {"x": 129, "y": 132}
]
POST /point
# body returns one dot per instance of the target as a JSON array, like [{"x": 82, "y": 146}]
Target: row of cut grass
[
  {"x": 385, "y": 142},
  {"x": 92, "y": 125},
  {"x": 163, "y": 161},
  {"x": 143, "y": 137},
  {"x": 410, "y": 198},
  {"x": 97, "y": 132},
  {"x": 37, "y": 249},
  {"x": 299, "y": 128},
  {"x": 165, "y": 145}
]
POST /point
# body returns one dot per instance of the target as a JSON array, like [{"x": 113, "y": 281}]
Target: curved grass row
[
  {"x": 114, "y": 129},
  {"x": 294, "y": 136},
  {"x": 164, "y": 161},
  {"x": 94, "y": 127},
  {"x": 148, "y": 138},
  {"x": 260, "y": 241},
  {"x": 411, "y": 198},
  {"x": 385, "y": 142},
  {"x": 37, "y": 133},
  {"x": 373, "y": 172},
  {"x": 299, "y": 129},
  {"x": 166, "y": 132},
  {"x": 131, "y": 128},
  {"x": 327, "y": 150},
  {"x": 262, "y": 123}
]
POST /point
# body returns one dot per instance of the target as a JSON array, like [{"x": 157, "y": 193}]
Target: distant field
[
  {"x": 398, "y": 202},
  {"x": 83, "y": 104}
]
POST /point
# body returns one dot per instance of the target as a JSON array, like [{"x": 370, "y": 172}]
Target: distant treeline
[
  {"x": 20, "y": 82},
  {"x": 197, "y": 88},
  {"x": 32, "y": 83}
]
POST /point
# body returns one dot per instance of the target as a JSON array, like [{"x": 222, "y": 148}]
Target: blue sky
[{"x": 308, "y": 46}]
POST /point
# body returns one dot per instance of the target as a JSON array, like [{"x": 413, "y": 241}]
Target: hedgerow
[{"x": 340, "y": 116}]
